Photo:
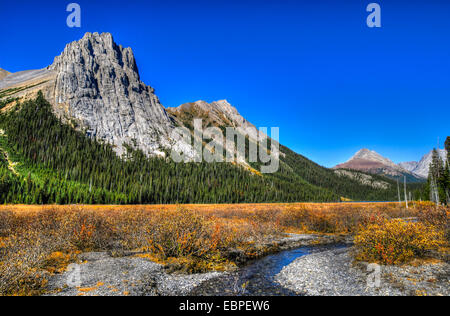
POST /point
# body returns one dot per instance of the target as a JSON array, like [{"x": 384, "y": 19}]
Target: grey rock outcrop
[
  {"x": 422, "y": 167},
  {"x": 94, "y": 85},
  {"x": 97, "y": 85},
  {"x": 221, "y": 113},
  {"x": 218, "y": 113},
  {"x": 410, "y": 165}
]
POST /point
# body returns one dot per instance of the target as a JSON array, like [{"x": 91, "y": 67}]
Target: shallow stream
[{"x": 256, "y": 278}]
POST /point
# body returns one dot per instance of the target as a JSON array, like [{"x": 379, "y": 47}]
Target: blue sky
[{"x": 312, "y": 68}]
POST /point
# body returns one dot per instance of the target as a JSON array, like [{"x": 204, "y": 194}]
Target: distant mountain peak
[
  {"x": 370, "y": 161},
  {"x": 371, "y": 155},
  {"x": 422, "y": 167}
]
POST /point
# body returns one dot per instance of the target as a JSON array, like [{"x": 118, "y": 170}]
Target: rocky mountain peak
[
  {"x": 218, "y": 113},
  {"x": 409, "y": 165},
  {"x": 422, "y": 167},
  {"x": 97, "y": 85},
  {"x": 372, "y": 162},
  {"x": 95, "y": 48},
  {"x": 370, "y": 155}
]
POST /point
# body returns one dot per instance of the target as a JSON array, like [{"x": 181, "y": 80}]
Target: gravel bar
[
  {"x": 103, "y": 275},
  {"x": 333, "y": 273}
]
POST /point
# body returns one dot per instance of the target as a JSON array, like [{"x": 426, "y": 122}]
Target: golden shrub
[
  {"x": 36, "y": 241},
  {"x": 183, "y": 233},
  {"x": 396, "y": 241}
]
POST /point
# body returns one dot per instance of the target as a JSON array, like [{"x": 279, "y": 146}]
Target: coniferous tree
[
  {"x": 447, "y": 148},
  {"x": 438, "y": 179},
  {"x": 65, "y": 166},
  {"x": 447, "y": 172}
]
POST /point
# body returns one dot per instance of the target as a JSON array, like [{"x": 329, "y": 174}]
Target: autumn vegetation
[
  {"x": 398, "y": 241},
  {"x": 45, "y": 161},
  {"x": 38, "y": 241}
]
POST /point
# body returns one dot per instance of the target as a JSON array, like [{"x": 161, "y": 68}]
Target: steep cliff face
[
  {"x": 94, "y": 85},
  {"x": 97, "y": 84}
]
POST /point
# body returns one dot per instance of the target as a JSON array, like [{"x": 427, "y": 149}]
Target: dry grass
[
  {"x": 255, "y": 208},
  {"x": 37, "y": 241}
]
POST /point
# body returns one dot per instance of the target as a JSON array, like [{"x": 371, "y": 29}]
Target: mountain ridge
[
  {"x": 422, "y": 167},
  {"x": 94, "y": 87},
  {"x": 372, "y": 162},
  {"x": 95, "y": 84},
  {"x": 219, "y": 112}
]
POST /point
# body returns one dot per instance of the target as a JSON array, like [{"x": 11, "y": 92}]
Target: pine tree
[
  {"x": 439, "y": 178},
  {"x": 447, "y": 171},
  {"x": 64, "y": 166},
  {"x": 447, "y": 148}
]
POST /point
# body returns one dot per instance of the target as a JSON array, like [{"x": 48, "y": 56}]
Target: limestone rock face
[{"x": 97, "y": 85}]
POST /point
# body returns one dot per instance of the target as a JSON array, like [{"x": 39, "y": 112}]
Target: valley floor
[
  {"x": 335, "y": 273},
  {"x": 232, "y": 249},
  {"x": 254, "y": 207},
  {"x": 318, "y": 271}
]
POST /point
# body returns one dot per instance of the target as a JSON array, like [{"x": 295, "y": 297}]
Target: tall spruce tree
[
  {"x": 447, "y": 171},
  {"x": 447, "y": 148},
  {"x": 435, "y": 176}
]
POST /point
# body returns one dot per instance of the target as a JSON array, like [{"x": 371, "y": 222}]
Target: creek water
[{"x": 256, "y": 278}]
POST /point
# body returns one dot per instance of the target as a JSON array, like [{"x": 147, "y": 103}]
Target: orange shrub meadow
[
  {"x": 397, "y": 241},
  {"x": 38, "y": 241}
]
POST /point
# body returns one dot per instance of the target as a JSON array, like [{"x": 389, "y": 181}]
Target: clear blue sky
[{"x": 313, "y": 68}]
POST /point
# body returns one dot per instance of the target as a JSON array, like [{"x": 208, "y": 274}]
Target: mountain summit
[
  {"x": 94, "y": 88},
  {"x": 95, "y": 85},
  {"x": 373, "y": 157},
  {"x": 422, "y": 167},
  {"x": 217, "y": 113},
  {"x": 372, "y": 162},
  {"x": 97, "y": 82}
]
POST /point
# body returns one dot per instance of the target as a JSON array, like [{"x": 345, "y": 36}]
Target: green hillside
[{"x": 43, "y": 161}]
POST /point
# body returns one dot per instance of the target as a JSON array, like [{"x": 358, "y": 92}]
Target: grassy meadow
[{"x": 38, "y": 241}]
